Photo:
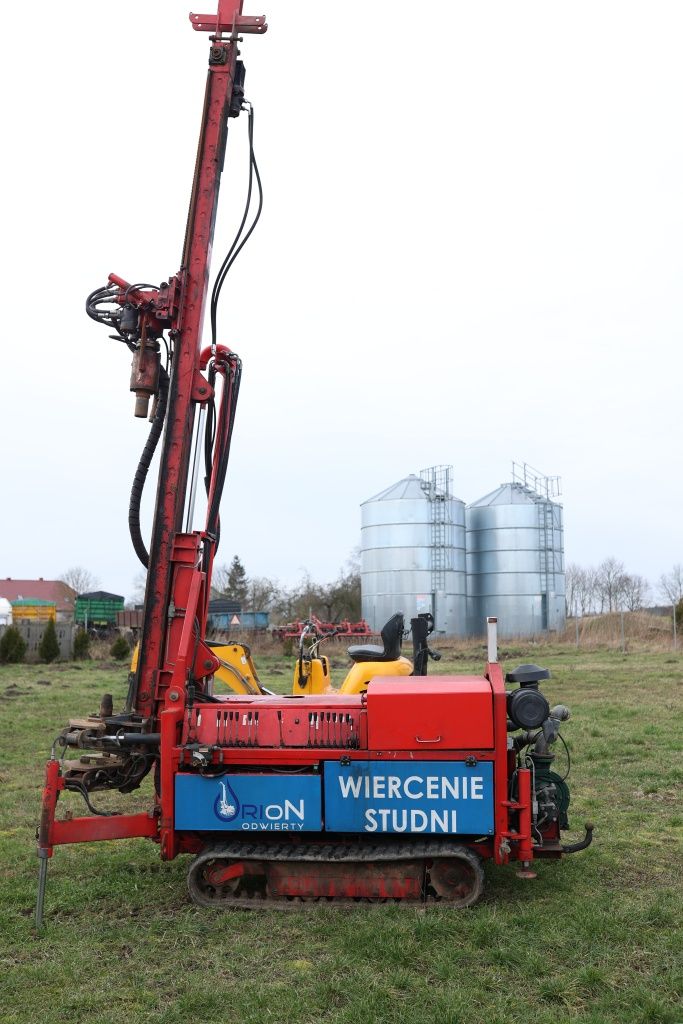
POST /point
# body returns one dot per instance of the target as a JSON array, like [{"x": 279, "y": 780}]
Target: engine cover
[{"x": 416, "y": 713}]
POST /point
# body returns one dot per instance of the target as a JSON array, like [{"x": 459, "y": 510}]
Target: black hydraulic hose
[
  {"x": 238, "y": 242},
  {"x": 143, "y": 468},
  {"x": 209, "y": 439},
  {"x": 209, "y": 429},
  {"x": 582, "y": 843},
  {"x": 78, "y": 787},
  {"x": 228, "y": 408}
]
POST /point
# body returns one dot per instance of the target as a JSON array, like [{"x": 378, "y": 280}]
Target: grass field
[{"x": 595, "y": 938}]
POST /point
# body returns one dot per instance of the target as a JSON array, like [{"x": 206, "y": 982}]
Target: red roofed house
[{"x": 60, "y": 593}]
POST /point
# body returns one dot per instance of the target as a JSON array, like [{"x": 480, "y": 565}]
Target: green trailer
[{"x": 98, "y": 610}]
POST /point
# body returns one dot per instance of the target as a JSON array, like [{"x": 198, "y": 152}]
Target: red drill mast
[
  {"x": 172, "y": 652},
  {"x": 174, "y": 660}
]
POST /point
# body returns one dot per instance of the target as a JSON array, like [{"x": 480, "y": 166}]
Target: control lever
[{"x": 421, "y": 627}]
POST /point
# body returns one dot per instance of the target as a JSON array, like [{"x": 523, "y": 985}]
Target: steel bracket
[
  {"x": 240, "y": 23},
  {"x": 201, "y": 389}
]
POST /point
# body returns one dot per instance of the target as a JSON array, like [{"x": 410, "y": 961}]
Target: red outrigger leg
[{"x": 52, "y": 832}]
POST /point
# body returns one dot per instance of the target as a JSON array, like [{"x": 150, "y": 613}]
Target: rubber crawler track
[
  {"x": 342, "y": 852},
  {"x": 353, "y": 850}
]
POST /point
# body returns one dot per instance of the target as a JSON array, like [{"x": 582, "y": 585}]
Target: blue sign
[
  {"x": 428, "y": 797},
  {"x": 248, "y": 803}
]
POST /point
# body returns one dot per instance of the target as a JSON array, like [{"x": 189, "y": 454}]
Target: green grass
[{"x": 595, "y": 938}]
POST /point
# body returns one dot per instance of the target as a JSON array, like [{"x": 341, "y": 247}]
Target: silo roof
[
  {"x": 508, "y": 494},
  {"x": 409, "y": 487}
]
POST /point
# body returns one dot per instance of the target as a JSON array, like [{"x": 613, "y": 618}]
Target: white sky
[{"x": 471, "y": 251}]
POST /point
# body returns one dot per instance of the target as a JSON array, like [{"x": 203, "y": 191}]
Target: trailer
[
  {"x": 98, "y": 610},
  {"x": 33, "y": 609},
  {"x": 235, "y": 622}
]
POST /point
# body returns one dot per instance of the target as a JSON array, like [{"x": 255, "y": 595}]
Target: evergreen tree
[
  {"x": 237, "y": 584},
  {"x": 120, "y": 649},
  {"x": 12, "y": 646},
  {"x": 81, "y": 646},
  {"x": 48, "y": 649}
]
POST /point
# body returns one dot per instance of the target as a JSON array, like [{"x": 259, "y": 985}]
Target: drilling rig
[{"x": 397, "y": 786}]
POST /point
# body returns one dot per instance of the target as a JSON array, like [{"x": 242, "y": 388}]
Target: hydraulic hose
[
  {"x": 143, "y": 468},
  {"x": 223, "y": 442},
  {"x": 582, "y": 843},
  {"x": 209, "y": 440}
]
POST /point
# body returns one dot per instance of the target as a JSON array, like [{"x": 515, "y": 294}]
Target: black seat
[{"x": 392, "y": 635}]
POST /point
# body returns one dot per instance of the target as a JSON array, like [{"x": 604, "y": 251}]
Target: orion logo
[
  {"x": 278, "y": 816},
  {"x": 226, "y": 804}
]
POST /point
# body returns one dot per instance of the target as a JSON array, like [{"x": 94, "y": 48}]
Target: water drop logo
[{"x": 226, "y": 804}]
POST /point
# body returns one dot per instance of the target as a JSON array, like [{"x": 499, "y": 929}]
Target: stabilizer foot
[
  {"x": 42, "y": 881},
  {"x": 525, "y": 871}
]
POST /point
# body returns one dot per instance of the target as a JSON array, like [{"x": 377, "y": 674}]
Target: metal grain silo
[
  {"x": 413, "y": 552},
  {"x": 515, "y": 562}
]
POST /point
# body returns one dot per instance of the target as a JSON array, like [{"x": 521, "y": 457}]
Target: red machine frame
[{"x": 507, "y": 843}]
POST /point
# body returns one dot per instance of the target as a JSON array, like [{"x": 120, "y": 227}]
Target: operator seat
[{"x": 392, "y": 635}]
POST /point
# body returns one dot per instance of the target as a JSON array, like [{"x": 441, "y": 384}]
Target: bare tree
[
  {"x": 306, "y": 597},
  {"x": 589, "y": 593},
  {"x": 79, "y": 579},
  {"x": 582, "y": 589},
  {"x": 263, "y": 595},
  {"x": 634, "y": 592},
  {"x": 609, "y": 588},
  {"x": 670, "y": 585},
  {"x": 610, "y": 584},
  {"x": 331, "y": 602},
  {"x": 573, "y": 580},
  {"x": 289, "y": 606},
  {"x": 344, "y": 594},
  {"x": 139, "y": 584}
]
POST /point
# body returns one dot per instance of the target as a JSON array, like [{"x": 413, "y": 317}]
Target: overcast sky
[{"x": 470, "y": 252}]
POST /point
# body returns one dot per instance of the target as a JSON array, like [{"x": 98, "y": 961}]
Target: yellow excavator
[
  {"x": 312, "y": 670},
  {"x": 312, "y": 674}
]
